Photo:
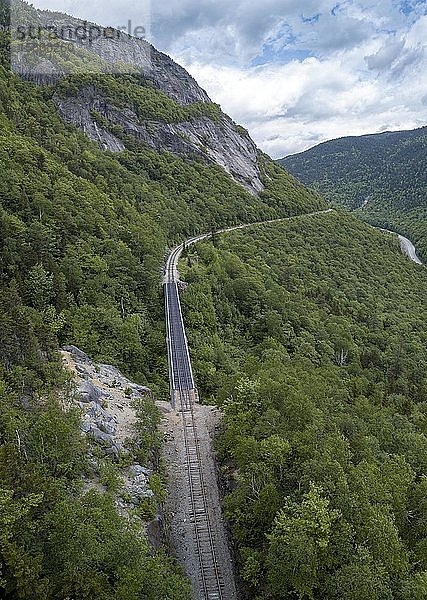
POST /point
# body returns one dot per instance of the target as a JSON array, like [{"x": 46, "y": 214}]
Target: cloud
[
  {"x": 115, "y": 13},
  {"x": 331, "y": 33},
  {"x": 366, "y": 72},
  {"x": 320, "y": 25},
  {"x": 386, "y": 55},
  {"x": 290, "y": 107}
]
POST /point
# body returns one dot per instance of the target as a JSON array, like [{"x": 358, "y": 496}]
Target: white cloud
[
  {"x": 386, "y": 55},
  {"x": 288, "y": 108},
  {"x": 373, "y": 82},
  {"x": 115, "y": 13}
]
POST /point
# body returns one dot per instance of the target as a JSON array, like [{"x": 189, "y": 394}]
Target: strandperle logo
[
  {"x": 84, "y": 32},
  {"x": 46, "y": 44}
]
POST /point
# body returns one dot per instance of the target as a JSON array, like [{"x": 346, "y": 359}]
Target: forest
[
  {"x": 83, "y": 235},
  {"x": 382, "y": 176},
  {"x": 311, "y": 337}
]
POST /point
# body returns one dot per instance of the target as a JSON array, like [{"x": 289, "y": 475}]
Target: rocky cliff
[
  {"x": 216, "y": 140},
  {"x": 209, "y": 134}
]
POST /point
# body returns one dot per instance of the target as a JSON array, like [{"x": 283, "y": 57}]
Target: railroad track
[
  {"x": 183, "y": 396},
  {"x": 212, "y": 582}
]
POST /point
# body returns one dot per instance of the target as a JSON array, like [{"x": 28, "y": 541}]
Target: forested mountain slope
[
  {"x": 384, "y": 175},
  {"x": 311, "y": 335},
  {"x": 83, "y": 233}
]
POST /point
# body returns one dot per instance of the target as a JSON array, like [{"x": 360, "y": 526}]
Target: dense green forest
[
  {"x": 83, "y": 234},
  {"x": 381, "y": 175},
  {"x": 311, "y": 335}
]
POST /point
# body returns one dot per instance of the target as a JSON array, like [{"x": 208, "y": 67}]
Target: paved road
[{"x": 406, "y": 246}]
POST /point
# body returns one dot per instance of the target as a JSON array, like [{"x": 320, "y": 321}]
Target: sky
[{"x": 293, "y": 72}]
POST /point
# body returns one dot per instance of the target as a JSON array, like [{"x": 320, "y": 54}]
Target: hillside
[
  {"x": 381, "y": 175},
  {"x": 172, "y": 113},
  {"x": 99, "y": 221},
  {"x": 311, "y": 335},
  {"x": 101, "y": 173}
]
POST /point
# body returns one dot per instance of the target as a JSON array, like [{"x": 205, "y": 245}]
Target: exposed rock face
[
  {"x": 106, "y": 400},
  {"x": 218, "y": 141},
  {"x": 157, "y": 68},
  {"x": 169, "y": 77}
]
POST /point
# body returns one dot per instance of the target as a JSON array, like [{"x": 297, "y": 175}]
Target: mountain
[
  {"x": 310, "y": 335},
  {"x": 172, "y": 114},
  {"x": 107, "y": 165},
  {"x": 102, "y": 170},
  {"x": 383, "y": 176}
]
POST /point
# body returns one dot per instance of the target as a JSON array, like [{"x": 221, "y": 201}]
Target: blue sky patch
[
  {"x": 281, "y": 49},
  {"x": 408, "y": 6},
  {"x": 285, "y": 55}
]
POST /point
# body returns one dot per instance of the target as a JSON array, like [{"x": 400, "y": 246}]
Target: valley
[
  {"x": 276, "y": 445},
  {"x": 380, "y": 176},
  {"x": 306, "y": 355}
]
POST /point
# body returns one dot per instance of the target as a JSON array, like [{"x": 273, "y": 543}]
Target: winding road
[{"x": 407, "y": 247}]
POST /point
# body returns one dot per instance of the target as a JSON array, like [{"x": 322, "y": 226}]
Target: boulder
[
  {"x": 88, "y": 392},
  {"x": 137, "y": 492},
  {"x": 95, "y": 411},
  {"x": 110, "y": 372},
  {"x": 83, "y": 371},
  {"x": 78, "y": 354},
  {"x": 106, "y": 427},
  {"x": 101, "y": 437},
  {"x": 138, "y": 389},
  {"x": 137, "y": 470},
  {"x": 86, "y": 426}
]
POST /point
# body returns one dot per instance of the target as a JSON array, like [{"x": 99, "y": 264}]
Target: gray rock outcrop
[
  {"x": 101, "y": 392},
  {"x": 217, "y": 141},
  {"x": 105, "y": 398}
]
